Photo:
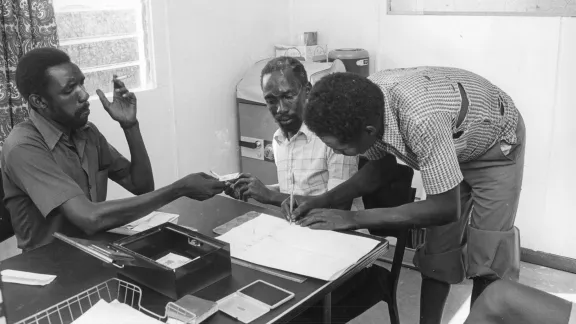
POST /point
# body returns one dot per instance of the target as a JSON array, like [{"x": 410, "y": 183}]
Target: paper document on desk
[
  {"x": 26, "y": 278},
  {"x": 114, "y": 312},
  {"x": 272, "y": 242},
  {"x": 151, "y": 220}
]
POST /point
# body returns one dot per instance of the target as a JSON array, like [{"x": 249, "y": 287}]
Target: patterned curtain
[{"x": 24, "y": 25}]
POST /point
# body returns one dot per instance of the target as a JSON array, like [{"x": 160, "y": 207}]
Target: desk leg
[{"x": 327, "y": 311}]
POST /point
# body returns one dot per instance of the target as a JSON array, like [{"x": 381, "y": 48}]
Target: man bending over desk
[
  {"x": 56, "y": 165},
  {"x": 297, "y": 151}
]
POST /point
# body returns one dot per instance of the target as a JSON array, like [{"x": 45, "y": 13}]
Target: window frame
[{"x": 143, "y": 34}]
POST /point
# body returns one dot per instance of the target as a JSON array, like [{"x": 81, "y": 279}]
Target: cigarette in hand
[{"x": 123, "y": 77}]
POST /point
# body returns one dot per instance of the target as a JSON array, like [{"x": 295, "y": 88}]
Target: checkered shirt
[
  {"x": 316, "y": 167},
  {"x": 422, "y": 106}
]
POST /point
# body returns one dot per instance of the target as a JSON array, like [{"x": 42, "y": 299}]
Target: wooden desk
[{"x": 78, "y": 271}]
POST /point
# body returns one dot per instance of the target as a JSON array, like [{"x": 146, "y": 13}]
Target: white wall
[
  {"x": 555, "y": 228},
  {"x": 212, "y": 44},
  {"x": 340, "y": 24},
  {"x": 529, "y": 57}
]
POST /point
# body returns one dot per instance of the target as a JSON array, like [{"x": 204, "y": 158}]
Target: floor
[{"x": 556, "y": 282}]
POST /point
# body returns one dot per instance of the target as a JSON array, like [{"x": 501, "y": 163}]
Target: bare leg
[
  {"x": 433, "y": 297},
  {"x": 507, "y": 302}
]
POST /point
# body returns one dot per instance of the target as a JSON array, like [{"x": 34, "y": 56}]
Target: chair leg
[
  {"x": 393, "y": 310},
  {"x": 395, "y": 276}
]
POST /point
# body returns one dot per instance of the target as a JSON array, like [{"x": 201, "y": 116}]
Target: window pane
[
  {"x": 103, "y": 79},
  {"x": 87, "y": 55},
  {"x": 100, "y": 23}
]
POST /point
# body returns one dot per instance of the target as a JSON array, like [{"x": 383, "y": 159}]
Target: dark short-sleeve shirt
[{"x": 43, "y": 167}]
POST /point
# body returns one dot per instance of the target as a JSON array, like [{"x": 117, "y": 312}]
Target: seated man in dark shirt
[{"x": 56, "y": 165}]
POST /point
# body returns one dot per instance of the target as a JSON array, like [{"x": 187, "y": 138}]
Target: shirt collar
[
  {"x": 307, "y": 133},
  {"x": 49, "y": 131},
  {"x": 52, "y": 132}
]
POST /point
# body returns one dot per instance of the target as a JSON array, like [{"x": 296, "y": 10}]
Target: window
[{"x": 106, "y": 37}]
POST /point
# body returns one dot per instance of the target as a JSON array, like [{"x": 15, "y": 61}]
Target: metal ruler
[{"x": 277, "y": 273}]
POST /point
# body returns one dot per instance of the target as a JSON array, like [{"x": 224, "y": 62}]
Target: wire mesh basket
[{"x": 114, "y": 289}]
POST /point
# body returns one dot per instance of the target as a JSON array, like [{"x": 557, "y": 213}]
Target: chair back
[
  {"x": 6, "y": 229},
  {"x": 395, "y": 192}
]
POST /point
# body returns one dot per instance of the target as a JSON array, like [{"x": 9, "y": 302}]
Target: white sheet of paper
[
  {"x": 115, "y": 312},
  {"x": 153, "y": 219},
  {"x": 272, "y": 242},
  {"x": 174, "y": 261},
  {"x": 26, "y": 278}
]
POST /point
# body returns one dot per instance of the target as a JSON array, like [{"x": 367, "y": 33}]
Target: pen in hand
[
  {"x": 292, "y": 199},
  {"x": 291, "y": 205}
]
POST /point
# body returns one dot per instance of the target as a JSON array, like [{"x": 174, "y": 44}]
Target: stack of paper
[
  {"x": 26, "y": 278},
  {"x": 151, "y": 220},
  {"x": 272, "y": 242},
  {"x": 114, "y": 312}
]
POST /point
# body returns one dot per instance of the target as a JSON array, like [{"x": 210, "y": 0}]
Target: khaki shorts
[{"x": 484, "y": 241}]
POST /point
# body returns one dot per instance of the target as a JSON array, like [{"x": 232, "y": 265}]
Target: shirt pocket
[{"x": 101, "y": 185}]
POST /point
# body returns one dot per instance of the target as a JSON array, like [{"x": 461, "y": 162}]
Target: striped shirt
[
  {"x": 316, "y": 167},
  {"x": 422, "y": 106}
]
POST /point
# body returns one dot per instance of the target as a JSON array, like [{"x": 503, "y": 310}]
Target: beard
[{"x": 289, "y": 124}]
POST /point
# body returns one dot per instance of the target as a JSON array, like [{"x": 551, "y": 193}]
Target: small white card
[
  {"x": 229, "y": 177},
  {"x": 174, "y": 261},
  {"x": 26, "y": 278}
]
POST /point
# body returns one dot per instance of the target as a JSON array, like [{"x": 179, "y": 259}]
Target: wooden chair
[
  {"x": 397, "y": 191},
  {"x": 6, "y": 229}
]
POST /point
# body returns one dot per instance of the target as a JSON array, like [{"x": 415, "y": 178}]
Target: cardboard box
[{"x": 313, "y": 53}]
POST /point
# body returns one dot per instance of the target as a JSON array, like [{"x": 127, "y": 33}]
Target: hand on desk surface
[
  {"x": 248, "y": 186},
  {"x": 330, "y": 219},
  {"x": 123, "y": 106},
  {"x": 200, "y": 186}
]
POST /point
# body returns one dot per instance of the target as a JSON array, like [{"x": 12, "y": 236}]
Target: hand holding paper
[
  {"x": 151, "y": 220},
  {"x": 226, "y": 177}
]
